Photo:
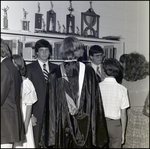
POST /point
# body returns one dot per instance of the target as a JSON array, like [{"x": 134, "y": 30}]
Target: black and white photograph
[{"x": 74, "y": 74}]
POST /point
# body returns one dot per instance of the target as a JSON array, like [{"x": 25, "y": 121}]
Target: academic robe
[{"x": 86, "y": 128}]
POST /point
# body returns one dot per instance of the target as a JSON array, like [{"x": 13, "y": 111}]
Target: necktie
[
  {"x": 45, "y": 72},
  {"x": 98, "y": 71}
]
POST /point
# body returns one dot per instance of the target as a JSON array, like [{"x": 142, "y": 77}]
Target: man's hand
[
  {"x": 34, "y": 120},
  {"x": 123, "y": 139}
]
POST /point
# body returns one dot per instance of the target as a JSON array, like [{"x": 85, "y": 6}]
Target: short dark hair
[
  {"x": 111, "y": 67},
  {"x": 43, "y": 43},
  {"x": 123, "y": 58},
  {"x": 95, "y": 49},
  {"x": 5, "y": 49},
  {"x": 19, "y": 63}
]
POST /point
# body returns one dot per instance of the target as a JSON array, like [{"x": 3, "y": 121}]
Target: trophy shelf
[
  {"x": 56, "y": 36},
  {"x": 55, "y": 39}
]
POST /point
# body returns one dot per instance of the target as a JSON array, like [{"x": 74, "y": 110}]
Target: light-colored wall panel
[
  {"x": 131, "y": 47},
  {"x": 131, "y": 26},
  {"x": 119, "y": 4},
  {"x": 143, "y": 29},
  {"x": 131, "y": 16},
  {"x": 119, "y": 13},
  {"x": 132, "y": 6}
]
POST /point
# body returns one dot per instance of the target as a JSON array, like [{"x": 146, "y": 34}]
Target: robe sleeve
[
  {"x": 102, "y": 134},
  {"x": 5, "y": 82},
  {"x": 52, "y": 109}
]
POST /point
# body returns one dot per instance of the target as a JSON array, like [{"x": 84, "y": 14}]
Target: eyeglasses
[{"x": 98, "y": 55}]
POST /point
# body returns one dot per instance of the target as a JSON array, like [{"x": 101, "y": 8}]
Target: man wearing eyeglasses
[{"x": 96, "y": 55}]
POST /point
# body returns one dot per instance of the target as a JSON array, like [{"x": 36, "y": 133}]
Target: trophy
[
  {"x": 44, "y": 25},
  {"x": 90, "y": 23},
  {"x": 51, "y": 19},
  {"x": 59, "y": 27},
  {"x": 38, "y": 20},
  {"x": 25, "y": 23},
  {"x": 78, "y": 31},
  {"x": 64, "y": 28},
  {"x": 70, "y": 20},
  {"x": 5, "y": 19}
]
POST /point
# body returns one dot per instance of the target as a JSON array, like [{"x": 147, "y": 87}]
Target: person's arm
[
  {"x": 5, "y": 82},
  {"x": 123, "y": 123},
  {"x": 28, "y": 116}
]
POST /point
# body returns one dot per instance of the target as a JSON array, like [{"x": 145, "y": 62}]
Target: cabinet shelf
[
  {"x": 56, "y": 36},
  {"x": 55, "y": 39}
]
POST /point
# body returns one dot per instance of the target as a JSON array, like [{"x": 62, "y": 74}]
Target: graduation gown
[{"x": 83, "y": 127}]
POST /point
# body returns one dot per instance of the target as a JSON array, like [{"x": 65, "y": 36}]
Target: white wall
[
  {"x": 143, "y": 30},
  {"x": 130, "y": 19}
]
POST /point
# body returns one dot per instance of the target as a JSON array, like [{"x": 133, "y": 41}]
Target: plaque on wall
[
  {"x": 38, "y": 20},
  {"x": 25, "y": 22},
  {"x": 51, "y": 20},
  {"x": 90, "y": 23},
  {"x": 5, "y": 18}
]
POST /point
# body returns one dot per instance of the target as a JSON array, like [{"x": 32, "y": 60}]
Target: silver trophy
[
  {"x": 38, "y": 19},
  {"x": 59, "y": 26},
  {"x": 25, "y": 22},
  {"x": 5, "y": 19}
]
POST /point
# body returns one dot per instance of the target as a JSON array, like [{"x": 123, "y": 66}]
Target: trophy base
[
  {"x": 91, "y": 36},
  {"x": 25, "y": 31},
  {"x": 25, "y": 25},
  {"x": 52, "y": 32},
  {"x": 5, "y": 23},
  {"x": 73, "y": 34},
  {"x": 38, "y": 21},
  {"x": 39, "y": 31}
]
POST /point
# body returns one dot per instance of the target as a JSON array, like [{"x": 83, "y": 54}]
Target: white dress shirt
[
  {"x": 95, "y": 67},
  {"x": 41, "y": 64}
]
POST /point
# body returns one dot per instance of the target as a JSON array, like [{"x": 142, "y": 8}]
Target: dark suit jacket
[
  {"x": 12, "y": 129},
  {"x": 35, "y": 74}
]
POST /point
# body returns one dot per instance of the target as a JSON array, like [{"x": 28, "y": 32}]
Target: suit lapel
[{"x": 38, "y": 70}]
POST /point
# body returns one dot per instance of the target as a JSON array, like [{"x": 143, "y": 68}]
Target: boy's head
[
  {"x": 5, "y": 50},
  {"x": 96, "y": 54},
  {"x": 43, "y": 49},
  {"x": 111, "y": 67}
]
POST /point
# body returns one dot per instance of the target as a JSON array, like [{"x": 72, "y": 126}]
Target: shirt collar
[
  {"x": 108, "y": 78},
  {"x": 41, "y": 64},
  {"x": 95, "y": 66}
]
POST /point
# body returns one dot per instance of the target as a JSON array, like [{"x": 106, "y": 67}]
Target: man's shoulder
[
  {"x": 89, "y": 69},
  {"x": 89, "y": 65},
  {"x": 53, "y": 64},
  {"x": 32, "y": 64}
]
